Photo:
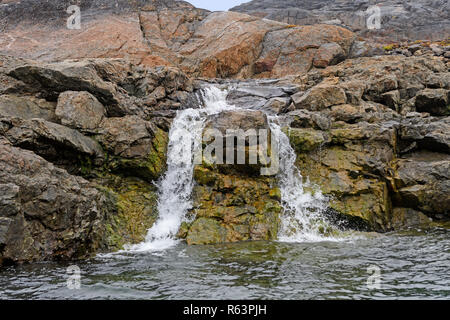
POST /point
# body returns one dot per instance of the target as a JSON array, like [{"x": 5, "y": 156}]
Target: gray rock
[
  {"x": 428, "y": 133},
  {"x": 422, "y": 181},
  {"x": 79, "y": 110},
  {"x": 433, "y": 101},
  {"x": 229, "y": 124},
  {"x": 413, "y": 48},
  {"x": 45, "y": 213},
  {"x": 404, "y": 218},
  {"x": 308, "y": 119},
  {"x": 437, "y": 50},
  {"x": 277, "y": 105},
  {"x": 135, "y": 146},
  {"x": 265, "y": 92},
  {"x": 50, "y": 140},
  {"x": 411, "y": 19},
  {"x": 26, "y": 107},
  {"x": 392, "y": 99},
  {"x": 124, "y": 89}
]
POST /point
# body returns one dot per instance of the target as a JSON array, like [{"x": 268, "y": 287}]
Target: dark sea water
[{"x": 412, "y": 265}]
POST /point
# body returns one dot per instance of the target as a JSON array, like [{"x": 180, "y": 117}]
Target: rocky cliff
[
  {"x": 171, "y": 33},
  {"x": 85, "y": 118},
  {"x": 400, "y": 20}
]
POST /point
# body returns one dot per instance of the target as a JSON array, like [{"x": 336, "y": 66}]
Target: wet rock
[
  {"x": 257, "y": 90},
  {"x": 349, "y": 162},
  {"x": 422, "y": 182},
  {"x": 133, "y": 210},
  {"x": 206, "y": 231},
  {"x": 235, "y": 202},
  {"x": 244, "y": 129},
  {"x": 121, "y": 156},
  {"x": 403, "y": 218},
  {"x": 305, "y": 140},
  {"x": 232, "y": 208}
]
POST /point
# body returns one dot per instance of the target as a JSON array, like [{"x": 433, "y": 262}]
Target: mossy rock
[
  {"x": 204, "y": 176},
  {"x": 265, "y": 226},
  {"x": 353, "y": 193},
  {"x": 206, "y": 231},
  {"x": 275, "y": 194},
  {"x": 184, "y": 229},
  {"x": 305, "y": 140},
  {"x": 150, "y": 168},
  {"x": 232, "y": 207},
  {"x": 135, "y": 211}
]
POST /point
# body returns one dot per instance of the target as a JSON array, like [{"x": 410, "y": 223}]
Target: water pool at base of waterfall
[{"x": 414, "y": 265}]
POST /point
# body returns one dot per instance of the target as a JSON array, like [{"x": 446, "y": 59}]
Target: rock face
[
  {"x": 410, "y": 20},
  {"x": 363, "y": 134},
  {"x": 171, "y": 33},
  {"x": 80, "y": 147},
  {"x": 45, "y": 213}
]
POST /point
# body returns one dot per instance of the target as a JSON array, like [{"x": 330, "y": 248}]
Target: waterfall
[
  {"x": 175, "y": 188},
  {"x": 301, "y": 220}
]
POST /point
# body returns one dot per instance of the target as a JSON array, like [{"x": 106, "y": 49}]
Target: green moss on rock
[
  {"x": 232, "y": 207},
  {"x": 206, "y": 231},
  {"x": 304, "y": 140},
  {"x": 135, "y": 211},
  {"x": 150, "y": 168}
]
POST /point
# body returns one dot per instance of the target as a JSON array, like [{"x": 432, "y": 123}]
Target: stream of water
[{"x": 413, "y": 265}]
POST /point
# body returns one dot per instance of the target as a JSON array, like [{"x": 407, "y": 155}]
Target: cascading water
[
  {"x": 301, "y": 220},
  {"x": 175, "y": 188}
]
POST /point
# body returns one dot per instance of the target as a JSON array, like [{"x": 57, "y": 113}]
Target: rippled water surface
[{"x": 413, "y": 265}]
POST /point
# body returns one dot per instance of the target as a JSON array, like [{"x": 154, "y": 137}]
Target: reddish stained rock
[
  {"x": 328, "y": 54},
  {"x": 218, "y": 44}
]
